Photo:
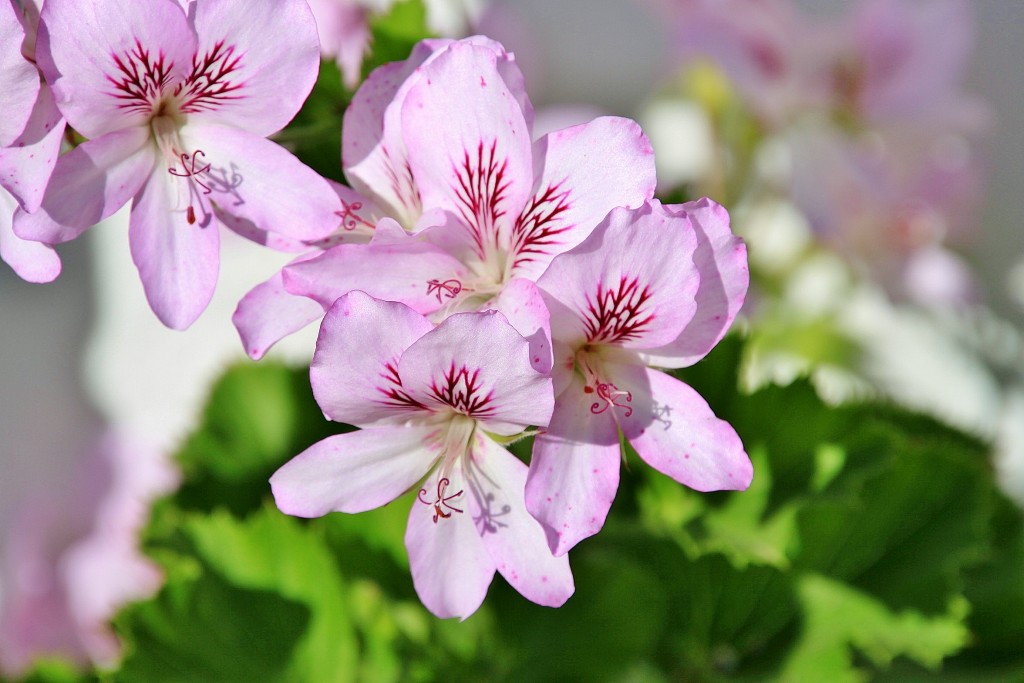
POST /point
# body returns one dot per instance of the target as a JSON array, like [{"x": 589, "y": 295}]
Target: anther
[
  {"x": 442, "y": 500},
  {"x": 611, "y": 395}
]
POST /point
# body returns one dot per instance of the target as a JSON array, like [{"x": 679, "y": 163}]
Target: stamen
[
  {"x": 450, "y": 288},
  {"x": 192, "y": 167},
  {"x": 189, "y": 164},
  {"x": 441, "y": 500},
  {"x": 350, "y": 219},
  {"x": 610, "y": 395}
]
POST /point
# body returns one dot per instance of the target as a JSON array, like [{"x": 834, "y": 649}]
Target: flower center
[
  {"x": 462, "y": 389},
  {"x": 191, "y": 167},
  {"x": 604, "y": 393},
  {"x": 454, "y": 441}
]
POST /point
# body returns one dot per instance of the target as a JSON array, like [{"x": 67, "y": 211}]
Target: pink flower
[
  {"x": 176, "y": 108},
  {"x": 31, "y": 130},
  {"x": 442, "y": 144},
  {"x": 72, "y": 557},
  {"x": 344, "y": 34},
  {"x": 428, "y": 398},
  {"x": 659, "y": 285}
]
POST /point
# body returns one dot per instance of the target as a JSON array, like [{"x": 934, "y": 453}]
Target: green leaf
[
  {"x": 258, "y": 416},
  {"x": 271, "y": 551},
  {"x": 739, "y": 528},
  {"x": 53, "y": 671},
  {"x": 314, "y": 135},
  {"x": 906, "y": 516},
  {"x": 839, "y": 619},
  {"x": 395, "y": 32},
  {"x": 207, "y": 629},
  {"x": 996, "y": 592},
  {"x": 616, "y": 619}
]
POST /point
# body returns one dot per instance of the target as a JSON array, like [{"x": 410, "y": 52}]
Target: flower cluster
[
  {"x": 474, "y": 284},
  {"x": 485, "y": 285}
]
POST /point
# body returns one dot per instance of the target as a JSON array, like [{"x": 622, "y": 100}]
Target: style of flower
[
  {"x": 428, "y": 400},
  {"x": 441, "y": 143},
  {"x": 659, "y": 285},
  {"x": 31, "y": 130},
  {"x": 177, "y": 107}
]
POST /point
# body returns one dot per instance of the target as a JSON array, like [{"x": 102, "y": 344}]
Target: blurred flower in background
[
  {"x": 847, "y": 145},
  {"x": 72, "y": 557}
]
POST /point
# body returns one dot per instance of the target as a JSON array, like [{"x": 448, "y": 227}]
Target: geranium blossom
[
  {"x": 442, "y": 145},
  {"x": 31, "y": 130},
  {"x": 428, "y": 398},
  {"x": 659, "y": 285},
  {"x": 176, "y": 108}
]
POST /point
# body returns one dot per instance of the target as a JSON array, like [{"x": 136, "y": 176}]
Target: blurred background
[{"x": 84, "y": 352}]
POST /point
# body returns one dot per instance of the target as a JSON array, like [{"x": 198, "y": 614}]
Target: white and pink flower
[
  {"x": 177, "y": 107},
  {"x": 481, "y": 202},
  {"x": 658, "y": 286},
  {"x": 428, "y": 400},
  {"x": 31, "y": 130}
]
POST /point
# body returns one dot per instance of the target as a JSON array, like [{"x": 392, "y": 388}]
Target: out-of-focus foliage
[{"x": 872, "y": 543}]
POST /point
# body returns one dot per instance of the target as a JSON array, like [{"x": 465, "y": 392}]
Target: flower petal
[
  {"x": 514, "y": 539},
  {"x": 177, "y": 261},
  {"x": 268, "y": 313},
  {"x": 630, "y": 283},
  {"x": 574, "y": 470},
  {"x": 472, "y": 158},
  {"x": 721, "y": 261},
  {"x": 105, "y": 59},
  {"x": 675, "y": 432},
  {"x": 372, "y": 151},
  {"x": 354, "y": 372},
  {"x": 32, "y": 261},
  {"x": 260, "y": 181},
  {"x": 453, "y": 367},
  {"x": 256, "y": 76},
  {"x": 406, "y": 269},
  {"x": 587, "y": 171},
  {"x": 26, "y": 166},
  {"x": 89, "y": 183},
  {"x": 522, "y": 304},
  {"x": 451, "y": 568},
  {"x": 344, "y": 35},
  {"x": 352, "y": 472},
  {"x": 19, "y": 78}
]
